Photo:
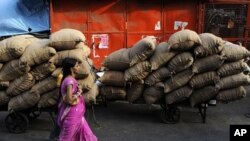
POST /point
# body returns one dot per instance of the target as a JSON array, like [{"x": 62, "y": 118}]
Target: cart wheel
[
  {"x": 16, "y": 123},
  {"x": 33, "y": 115},
  {"x": 170, "y": 115}
]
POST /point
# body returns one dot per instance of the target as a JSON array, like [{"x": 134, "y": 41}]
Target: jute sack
[
  {"x": 232, "y": 68},
  {"x": 157, "y": 76},
  {"x": 247, "y": 88},
  {"x": 4, "y": 98},
  {"x": 209, "y": 63},
  {"x": 84, "y": 47},
  {"x": 90, "y": 96},
  {"x": 141, "y": 50},
  {"x": 13, "y": 70},
  {"x": 37, "y": 53},
  {"x": 84, "y": 70},
  {"x": 204, "y": 79},
  {"x": 87, "y": 83},
  {"x": 233, "y": 52},
  {"x": 228, "y": 95},
  {"x": 13, "y": 47},
  {"x": 117, "y": 60},
  {"x": 233, "y": 81},
  {"x": 1, "y": 65},
  {"x": 56, "y": 72},
  {"x": 21, "y": 85},
  {"x": 4, "y": 85},
  {"x": 77, "y": 54},
  {"x": 137, "y": 72},
  {"x": 184, "y": 40},
  {"x": 180, "y": 62},
  {"x": 178, "y": 80},
  {"x": 161, "y": 55},
  {"x": 113, "y": 93},
  {"x": 154, "y": 93},
  {"x": 65, "y": 39},
  {"x": 42, "y": 71},
  {"x": 211, "y": 45},
  {"x": 45, "y": 85},
  {"x": 178, "y": 95},
  {"x": 49, "y": 99},
  {"x": 135, "y": 91},
  {"x": 202, "y": 95},
  {"x": 24, "y": 101},
  {"x": 113, "y": 78}
]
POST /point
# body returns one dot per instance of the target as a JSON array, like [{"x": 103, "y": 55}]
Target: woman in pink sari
[{"x": 71, "y": 107}]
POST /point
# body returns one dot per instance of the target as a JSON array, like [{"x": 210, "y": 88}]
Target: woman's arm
[{"x": 69, "y": 97}]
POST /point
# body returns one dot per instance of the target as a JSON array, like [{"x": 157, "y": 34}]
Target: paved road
[{"x": 121, "y": 121}]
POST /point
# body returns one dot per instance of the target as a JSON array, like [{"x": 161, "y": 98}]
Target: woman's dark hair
[{"x": 67, "y": 64}]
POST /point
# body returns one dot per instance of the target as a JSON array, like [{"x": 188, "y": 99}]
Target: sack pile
[
  {"x": 30, "y": 68},
  {"x": 190, "y": 66}
]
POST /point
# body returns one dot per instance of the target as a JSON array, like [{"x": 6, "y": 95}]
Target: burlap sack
[
  {"x": 49, "y": 99},
  {"x": 202, "y": 95},
  {"x": 204, "y": 79},
  {"x": 180, "y": 62},
  {"x": 24, "y": 101},
  {"x": 77, "y": 54},
  {"x": 135, "y": 91},
  {"x": 211, "y": 45},
  {"x": 65, "y": 39},
  {"x": 233, "y": 81},
  {"x": 37, "y": 53},
  {"x": 154, "y": 93},
  {"x": 4, "y": 98},
  {"x": 113, "y": 78},
  {"x": 157, "y": 76},
  {"x": 13, "y": 47},
  {"x": 178, "y": 95},
  {"x": 4, "y": 85},
  {"x": 178, "y": 80},
  {"x": 137, "y": 72},
  {"x": 90, "y": 96},
  {"x": 21, "y": 85},
  {"x": 42, "y": 71},
  {"x": 184, "y": 40},
  {"x": 113, "y": 93},
  {"x": 228, "y": 95},
  {"x": 87, "y": 83},
  {"x": 13, "y": 70},
  {"x": 56, "y": 72},
  {"x": 206, "y": 64},
  {"x": 161, "y": 55},
  {"x": 141, "y": 50},
  {"x": 232, "y": 68},
  {"x": 1, "y": 65},
  {"x": 84, "y": 70},
  {"x": 84, "y": 47},
  {"x": 233, "y": 52},
  {"x": 117, "y": 60},
  {"x": 45, "y": 85}
]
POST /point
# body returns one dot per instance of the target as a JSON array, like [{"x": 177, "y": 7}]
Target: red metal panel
[
  {"x": 143, "y": 18},
  {"x": 107, "y": 16},
  {"x": 179, "y": 13},
  {"x": 65, "y": 14},
  {"x": 98, "y": 53}
]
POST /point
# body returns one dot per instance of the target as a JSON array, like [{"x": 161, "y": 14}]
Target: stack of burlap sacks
[
  {"x": 189, "y": 66},
  {"x": 31, "y": 68}
]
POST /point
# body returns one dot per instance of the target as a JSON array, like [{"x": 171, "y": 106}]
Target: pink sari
[{"x": 71, "y": 119}]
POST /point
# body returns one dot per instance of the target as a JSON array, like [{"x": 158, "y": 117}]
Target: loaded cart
[
  {"x": 188, "y": 68},
  {"x": 30, "y": 74}
]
